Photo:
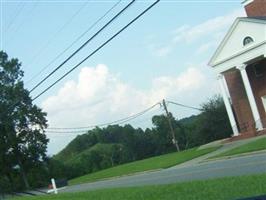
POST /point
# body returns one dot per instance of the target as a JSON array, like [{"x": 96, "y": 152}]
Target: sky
[{"x": 163, "y": 55}]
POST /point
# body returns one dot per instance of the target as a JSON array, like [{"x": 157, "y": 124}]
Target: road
[{"x": 245, "y": 165}]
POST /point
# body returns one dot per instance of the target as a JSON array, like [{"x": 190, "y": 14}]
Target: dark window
[
  {"x": 259, "y": 70},
  {"x": 247, "y": 40}
]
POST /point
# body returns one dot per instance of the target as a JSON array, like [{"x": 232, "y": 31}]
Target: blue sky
[{"x": 162, "y": 55}]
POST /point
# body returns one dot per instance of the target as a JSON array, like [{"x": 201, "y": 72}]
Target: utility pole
[{"x": 175, "y": 142}]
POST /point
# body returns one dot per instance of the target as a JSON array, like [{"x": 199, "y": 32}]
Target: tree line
[
  {"x": 102, "y": 148},
  {"x": 24, "y": 163}
]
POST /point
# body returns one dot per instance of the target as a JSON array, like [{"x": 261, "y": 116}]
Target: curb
[{"x": 236, "y": 155}]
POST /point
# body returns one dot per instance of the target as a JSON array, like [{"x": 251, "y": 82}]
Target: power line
[
  {"x": 147, "y": 118},
  {"x": 17, "y": 102},
  {"x": 74, "y": 132},
  {"x": 83, "y": 45},
  {"x": 74, "y": 42},
  {"x": 58, "y": 31},
  {"x": 120, "y": 121},
  {"x": 96, "y": 50},
  {"x": 123, "y": 120},
  {"x": 16, "y": 16},
  {"x": 85, "y": 131},
  {"x": 185, "y": 106},
  {"x": 30, "y": 13}
]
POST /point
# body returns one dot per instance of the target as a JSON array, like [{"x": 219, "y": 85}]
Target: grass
[
  {"x": 257, "y": 145},
  {"x": 215, "y": 189},
  {"x": 153, "y": 163}
]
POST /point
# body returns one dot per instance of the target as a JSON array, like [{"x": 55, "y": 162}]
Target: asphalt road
[{"x": 252, "y": 164}]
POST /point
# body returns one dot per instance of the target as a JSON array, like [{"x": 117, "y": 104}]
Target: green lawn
[
  {"x": 217, "y": 189},
  {"x": 257, "y": 145},
  {"x": 153, "y": 163}
]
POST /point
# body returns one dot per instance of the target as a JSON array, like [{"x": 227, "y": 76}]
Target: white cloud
[
  {"x": 190, "y": 80},
  {"x": 100, "y": 96},
  {"x": 206, "y": 47},
  {"x": 209, "y": 27},
  {"x": 163, "y": 51},
  {"x": 208, "y": 30}
]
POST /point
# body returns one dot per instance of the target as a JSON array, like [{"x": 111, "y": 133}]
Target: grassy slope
[
  {"x": 216, "y": 189},
  {"x": 257, "y": 145},
  {"x": 99, "y": 148},
  {"x": 153, "y": 163}
]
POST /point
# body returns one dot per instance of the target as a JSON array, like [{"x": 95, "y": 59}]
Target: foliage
[
  {"x": 84, "y": 154},
  {"x": 22, "y": 139},
  {"x": 214, "y": 122},
  {"x": 222, "y": 189},
  {"x": 100, "y": 156},
  {"x": 210, "y": 125},
  {"x": 153, "y": 163},
  {"x": 23, "y": 143}
]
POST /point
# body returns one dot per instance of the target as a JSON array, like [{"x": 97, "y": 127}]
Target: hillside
[
  {"x": 86, "y": 141},
  {"x": 153, "y": 163},
  {"x": 188, "y": 120},
  {"x": 102, "y": 148}
]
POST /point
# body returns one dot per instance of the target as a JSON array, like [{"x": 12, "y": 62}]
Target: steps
[{"x": 245, "y": 135}]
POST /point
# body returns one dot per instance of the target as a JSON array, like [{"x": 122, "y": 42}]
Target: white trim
[
  {"x": 263, "y": 98},
  {"x": 229, "y": 33},
  {"x": 227, "y": 104},
  {"x": 227, "y": 90},
  {"x": 246, "y": 57},
  {"x": 251, "y": 98},
  {"x": 54, "y": 186},
  {"x": 58, "y": 189},
  {"x": 240, "y": 53},
  {"x": 246, "y": 2},
  {"x": 218, "y": 50}
]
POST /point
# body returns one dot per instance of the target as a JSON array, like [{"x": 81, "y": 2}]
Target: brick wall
[
  {"x": 258, "y": 84},
  {"x": 256, "y": 8},
  {"x": 239, "y": 99}
]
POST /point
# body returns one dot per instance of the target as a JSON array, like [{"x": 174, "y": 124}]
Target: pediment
[{"x": 250, "y": 30}]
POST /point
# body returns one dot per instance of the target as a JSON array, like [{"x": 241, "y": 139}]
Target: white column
[
  {"x": 251, "y": 98},
  {"x": 228, "y": 105},
  {"x": 54, "y": 186}
]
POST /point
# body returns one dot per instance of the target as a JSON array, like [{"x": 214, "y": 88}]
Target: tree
[
  {"x": 213, "y": 123},
  {"x": 164, "y": 137},
  {"x": 162, "y": 133},
  {"x": 22, "y": 139}
]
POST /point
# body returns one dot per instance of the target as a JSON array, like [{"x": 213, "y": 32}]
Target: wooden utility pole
[{"x": 175, "y": 142}]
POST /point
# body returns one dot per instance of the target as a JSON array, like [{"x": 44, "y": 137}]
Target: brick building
[{"x": 240, "y": 63}]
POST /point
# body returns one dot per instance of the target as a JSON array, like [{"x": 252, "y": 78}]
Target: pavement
[
  {"x": 197, "y": 169},
  {"x": 226, "y": 147},
  {"x": 201, "y": 168}
]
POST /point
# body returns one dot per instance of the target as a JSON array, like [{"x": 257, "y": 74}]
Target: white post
[
  {"x": 228, "y": 105},
  {"x": 54, "y": 185},
  {"x": 251, "y": 99}
]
